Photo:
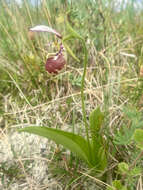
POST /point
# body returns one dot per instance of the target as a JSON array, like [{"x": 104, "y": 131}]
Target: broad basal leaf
[
  {"x": 73, "y": 142},
  {"x": 98, "y": 153},
  {"x": 96, "y": 118}
]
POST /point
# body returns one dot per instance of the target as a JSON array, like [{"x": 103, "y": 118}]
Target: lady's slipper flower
[
  {"x": 54, "y": 64},
  {"x": 57, "y": 62}
]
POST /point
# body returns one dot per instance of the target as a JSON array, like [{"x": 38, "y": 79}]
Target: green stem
[{"x": 75, "y": 35}]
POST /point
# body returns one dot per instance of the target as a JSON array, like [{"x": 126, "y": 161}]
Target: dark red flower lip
[{"x": 55, "y": 64}]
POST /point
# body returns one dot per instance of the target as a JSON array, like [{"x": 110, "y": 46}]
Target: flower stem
[{"x": 75, "y": 35}]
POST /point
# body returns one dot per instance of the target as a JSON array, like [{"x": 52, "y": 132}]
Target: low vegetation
[{"x": 90, "y": 105}]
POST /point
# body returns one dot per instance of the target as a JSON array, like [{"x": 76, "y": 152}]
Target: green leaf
[
  {"x": 135, "y": 172},
  {"x": 123, "y": 168},
  {"x": 96, "y": 119},
  {"x": 117, "y": 185},
  {"x": 138, "y": 137},
  {"x": 124, "y": 136},
  {"x": 71, "y": 141},
  {"x": 98, "y": 154},
  {"x": 71, "y": 52},
  {"x": 102, "y": 158},
  {"x": 132, "y": 113},
  {"x": 73, "y": 32}
]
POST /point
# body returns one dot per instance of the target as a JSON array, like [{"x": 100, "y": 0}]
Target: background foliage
[{"x": 30, "y": 96}]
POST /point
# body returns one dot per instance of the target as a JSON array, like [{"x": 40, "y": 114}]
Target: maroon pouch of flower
[{"x": 55, "y": 64}]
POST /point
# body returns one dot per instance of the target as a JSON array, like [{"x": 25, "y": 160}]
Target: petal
[
  {"x": 43, "y": 28},
  {"x": 53, "y": 66}
]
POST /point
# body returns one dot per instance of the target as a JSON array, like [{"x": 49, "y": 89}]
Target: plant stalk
[{"x": 75, "y": 35}]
